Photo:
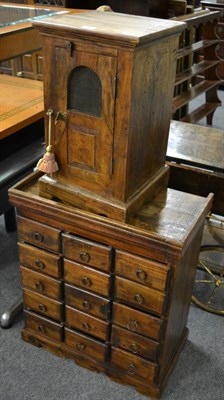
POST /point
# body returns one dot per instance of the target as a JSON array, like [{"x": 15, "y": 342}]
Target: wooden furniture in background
[
  {"x": 115, "y": 75},
  {"x": 24, "y": 59},
  {"x": 114, "y": 298},
  {"x": 22, "y": 33},
  {"x": 21, "y": 135},
  {"x": 195, "y": 156},
  {"x": 196, "y": 67},
  {"x": 147, "y": 8},
  {"x": 218, "y": 5}
]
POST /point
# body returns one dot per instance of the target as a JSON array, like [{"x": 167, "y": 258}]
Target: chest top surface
[
  {"x": 169, "y": 218},
  {"x": 123, "y": 27}
]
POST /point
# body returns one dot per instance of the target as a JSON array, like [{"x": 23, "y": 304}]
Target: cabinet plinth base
[
  {"x": 85, "y": 200},
  {"x": 60, "y": 349}
]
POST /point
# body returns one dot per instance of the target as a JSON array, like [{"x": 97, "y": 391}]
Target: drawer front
[
  {"x": 133, "y": 365},
  {"x": 39, "y": 234},
  {"x": 40, "y": 260},
  {"x": 86, "y": 323},
  {"x": 137, "y": 321},
  {"x": 41, "y": 283},
  {"x": 87, "y": 302},
  {"x": 140, "y": 296},
  {"x": 86, "y": 252},
  {"x": 43, "y": 305},
  {"x": 141, "y": 270},
  {"x": 85, "y": 345},
  {"x": 43, "y": 326},
  {"x": 135, "y": 343},
  {"x": 86, "y": 278}
]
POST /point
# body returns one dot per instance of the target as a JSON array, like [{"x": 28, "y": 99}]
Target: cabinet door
[{"x": 83, "y": 88}]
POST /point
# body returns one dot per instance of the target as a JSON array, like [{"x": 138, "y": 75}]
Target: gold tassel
[{"x": 48, "y": 164}]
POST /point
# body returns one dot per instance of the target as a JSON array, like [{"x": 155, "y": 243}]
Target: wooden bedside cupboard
[{"x": 115, "y": 75}]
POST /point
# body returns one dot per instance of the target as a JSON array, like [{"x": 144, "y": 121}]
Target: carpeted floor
[{"x": 29, "y": 373}]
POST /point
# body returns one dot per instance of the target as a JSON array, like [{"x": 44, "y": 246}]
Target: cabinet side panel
[
  {"x": 180, "y": 300},
  {"x": 151, "y": 107}
]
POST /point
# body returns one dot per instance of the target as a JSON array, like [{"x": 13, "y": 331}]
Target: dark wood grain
[
  {"x": 137, "y": 321},
  {"x": 87, "y": 278},
  {"x": 43, "y": 305},
  {"x": 41, "y": 283},
  {"x": 43, "y": 326},
  {"x": 195, "y": 157},
  {"x": 110, "y": 162},
  {"x": 142, "y": 270},
  {"x": 87, "y": 324},
  {"x": 40, "y": 260},
  {"x": 87, "y": 302},
  {"x": 164, "y": 239},
  {"x": 87, "y": 252}
]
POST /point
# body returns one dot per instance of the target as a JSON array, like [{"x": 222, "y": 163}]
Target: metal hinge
[
  {"x": 111, "y": 166},
  {"x": 114, "y": 88}
]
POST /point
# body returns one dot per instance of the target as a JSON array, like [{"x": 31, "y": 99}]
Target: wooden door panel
[{"x": 84, "y": 142}]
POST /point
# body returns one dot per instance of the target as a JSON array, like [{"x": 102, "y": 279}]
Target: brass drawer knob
[
  {"x": 86, "y": 326},
  {"x": 39, "y": 264},
  {"x": 42, "y": 329},
  {"x": 86, "y": 304},
  {"x": 39, "y": 286},
  {"x": 42, "y": 307},
  {"x": 80, "y": 346},
  {"x": 38, "y": 237},
  {"x": 85, "y": 257},
  {"x": 139, "y": 299},
  {"x": 134, "y": 348},
  {"x": 141, "y": 275},
  {"x": 132, "y": 369},
  {"x": 86, "y": 281},
  {"x": 133, "y": 325}
]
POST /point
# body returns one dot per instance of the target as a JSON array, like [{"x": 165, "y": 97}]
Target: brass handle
[
  {"x": 132, "y": 369},
  {"x": 42, "y": 307},
  {"x": 86, "y": 304},
  {"x": 41, "y": 328},
  {"x": 134, "y": 348},
  {"x": 139, "y": 299},
  {"x": 142, "y": 275},
  {"x": 86, "y": 326},
  {"x": 133, "y": 325},
  {"x": 38, "y": 237},
  {"x": 80, "y": 346},
  {"x": 86, "y": 281},
  {"x": 39, "y": 286},
  {"x": 39, "y": 264},
  {"x": 85, "y": 257}
]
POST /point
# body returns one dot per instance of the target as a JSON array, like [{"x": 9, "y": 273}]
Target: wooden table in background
[
  {"x": 21, "y": 103},
  {"x": 27, "y": 38}
]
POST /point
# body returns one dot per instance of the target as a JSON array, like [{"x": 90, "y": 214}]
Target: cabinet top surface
[
  {"x": 170, "y": 217},
  {"x": 111, "y": 25}
]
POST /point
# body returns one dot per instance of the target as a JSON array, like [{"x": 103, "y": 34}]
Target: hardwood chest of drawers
[{"x": 112, "y": 296}]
